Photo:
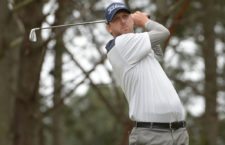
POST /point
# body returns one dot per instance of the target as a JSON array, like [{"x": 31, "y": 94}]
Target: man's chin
[{"x": 124, "y": 32}]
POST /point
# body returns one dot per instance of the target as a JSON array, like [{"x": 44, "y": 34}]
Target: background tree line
[{"x": 40, "y": 103}]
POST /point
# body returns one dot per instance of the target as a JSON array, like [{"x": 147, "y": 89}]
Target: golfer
[{"x": 154, "y": 105}]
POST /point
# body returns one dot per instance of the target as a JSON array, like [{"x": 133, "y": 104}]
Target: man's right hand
[{"x": 139, "y": 18}]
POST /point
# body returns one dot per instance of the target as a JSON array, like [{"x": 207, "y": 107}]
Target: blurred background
[{"x": 60, "y": 90}]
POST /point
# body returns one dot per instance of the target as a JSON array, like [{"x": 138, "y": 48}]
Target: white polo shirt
[{"x": 150, "y": 94}]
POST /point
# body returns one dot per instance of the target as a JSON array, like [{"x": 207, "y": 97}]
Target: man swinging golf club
[{"x": 154, "y": 105}]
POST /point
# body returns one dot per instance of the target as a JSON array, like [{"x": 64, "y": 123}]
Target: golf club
[{"x": 33, "y": 36}]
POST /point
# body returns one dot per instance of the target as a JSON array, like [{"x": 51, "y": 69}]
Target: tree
[
  {"x": 8, "y": 70},
  {"x": 57, "y": 118},
  {"x": 26, "y": 111}
]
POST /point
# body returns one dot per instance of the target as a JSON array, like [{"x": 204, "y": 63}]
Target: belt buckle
[
  {"x": 184, "y": 124},
  {"x": 151, "y": 125},
  {"x": 170, "y": 125}
]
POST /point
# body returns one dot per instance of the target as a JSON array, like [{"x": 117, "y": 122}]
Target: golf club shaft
[
  {"x": 68, "y": 25},
  {"x": 33, "y": 36}
]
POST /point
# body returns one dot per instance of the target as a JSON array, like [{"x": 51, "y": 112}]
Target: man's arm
[{"x": 157, "y": 32}]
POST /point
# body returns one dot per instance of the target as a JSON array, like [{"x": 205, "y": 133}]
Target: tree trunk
[
  {"x": 57, "y": 118},
  {"x": 8, "y": 71},
  {"x": 26, "y": 111},
  {"x": 128, "y": 126},
  {"x": 210, "y": 125},
  {"x": 58, "y": 124}
]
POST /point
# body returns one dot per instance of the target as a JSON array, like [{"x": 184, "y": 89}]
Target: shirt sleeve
[
  {"x": 157, "y": 33},
  {"x": 133, "y": 46}
]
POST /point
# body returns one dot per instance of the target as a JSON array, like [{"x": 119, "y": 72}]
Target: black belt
[{"x": 172, "y": 125}]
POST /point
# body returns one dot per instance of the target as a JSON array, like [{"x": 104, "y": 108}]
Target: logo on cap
[{"x": 112, "y": 9}]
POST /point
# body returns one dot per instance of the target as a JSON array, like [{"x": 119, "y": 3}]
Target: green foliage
[{"x": 88, "y": 121}]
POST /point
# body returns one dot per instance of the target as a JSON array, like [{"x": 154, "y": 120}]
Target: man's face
[{"x": 121, "y": 23}]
